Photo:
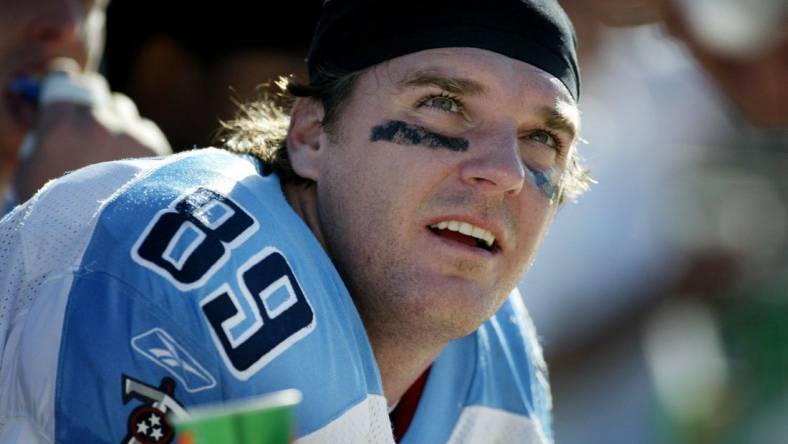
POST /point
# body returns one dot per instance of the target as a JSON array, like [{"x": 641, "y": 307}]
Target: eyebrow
[
  {"x": 454, "y": 85},
  {"x": 559, "y": 121},
  {"x": 553, "y": 117}
]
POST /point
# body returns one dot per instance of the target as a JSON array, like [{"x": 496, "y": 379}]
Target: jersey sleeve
[
  {"x": 490, "y": 386},
  {"x": 127, "y": 363},
  {"x": 41, "y": 246},
  {"x": 184, "y": 286},
  {"x": 518, "y": 367}
]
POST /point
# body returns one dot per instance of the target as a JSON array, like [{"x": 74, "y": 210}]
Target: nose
[
  {"x": 56, "y": 22},
  {"x": 495, "y": 164}
]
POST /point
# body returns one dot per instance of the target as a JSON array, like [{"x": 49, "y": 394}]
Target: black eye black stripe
[{"x": 402, "y": 133}]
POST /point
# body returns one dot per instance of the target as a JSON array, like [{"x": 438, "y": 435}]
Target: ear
[{"x": 304, "y": 138}]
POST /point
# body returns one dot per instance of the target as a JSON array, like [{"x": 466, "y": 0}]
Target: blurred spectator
[
  {"x": 193, "y": 61},
  {"x": 79, "y": 123},
  {"x": 743, "y": 46}
]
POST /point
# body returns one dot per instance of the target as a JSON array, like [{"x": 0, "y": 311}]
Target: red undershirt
[{"x": 403, "y": 413}]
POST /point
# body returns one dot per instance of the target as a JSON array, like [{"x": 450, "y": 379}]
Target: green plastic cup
[{"x": 268, "y": 419}]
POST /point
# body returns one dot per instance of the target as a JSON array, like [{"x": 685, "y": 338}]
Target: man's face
[
  {"x": 430, "y": 143},
  {"x": 32, "y": 33}
]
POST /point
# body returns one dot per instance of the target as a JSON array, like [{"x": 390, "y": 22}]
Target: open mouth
[{"x": 466, "y": 233}]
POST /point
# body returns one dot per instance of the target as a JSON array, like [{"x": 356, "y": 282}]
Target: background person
[{"x": 64, "y": 133}]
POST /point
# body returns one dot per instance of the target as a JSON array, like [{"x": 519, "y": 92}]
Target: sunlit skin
[{"x": 372, "y": 201}]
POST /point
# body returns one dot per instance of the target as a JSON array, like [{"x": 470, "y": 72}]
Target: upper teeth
[{"x": 466, "y": 229}]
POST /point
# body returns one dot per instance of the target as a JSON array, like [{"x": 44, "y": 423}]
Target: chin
[{"x": 456, "y": 312}]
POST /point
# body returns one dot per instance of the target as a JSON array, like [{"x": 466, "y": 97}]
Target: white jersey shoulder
[{"x": 186, "y": 280}]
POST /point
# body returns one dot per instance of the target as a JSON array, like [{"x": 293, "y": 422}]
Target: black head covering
[{"x": 356, "y": 34}]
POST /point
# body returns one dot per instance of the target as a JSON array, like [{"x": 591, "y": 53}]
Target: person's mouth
[{"x": 466, "y": 233}]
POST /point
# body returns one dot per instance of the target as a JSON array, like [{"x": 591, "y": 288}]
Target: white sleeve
[
  {"x": 41, "y": 244},
  {"x": 21, "y": 431}
]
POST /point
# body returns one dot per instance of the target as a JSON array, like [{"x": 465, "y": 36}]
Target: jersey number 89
[{"x": 188, "y": 242}]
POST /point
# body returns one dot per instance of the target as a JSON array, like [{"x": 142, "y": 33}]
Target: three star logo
[
  {"x": 148, "y": 423},
  {"x": 149, "y": 426}
]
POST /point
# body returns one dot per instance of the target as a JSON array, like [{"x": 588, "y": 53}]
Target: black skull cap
[{"x": 355, "y": 34}]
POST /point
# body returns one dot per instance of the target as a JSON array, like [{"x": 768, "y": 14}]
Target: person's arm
[
  {"x": 80, "y": 122},
  {"x": 747, "y": 66}
]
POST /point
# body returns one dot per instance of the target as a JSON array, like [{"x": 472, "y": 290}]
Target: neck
[
  {"x": 303, "y": 200},
  {"x": 400, "y": 358},
  {"x": 401, "y": 362}
]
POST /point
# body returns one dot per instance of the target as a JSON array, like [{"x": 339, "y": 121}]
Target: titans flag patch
[{"x": 148, "y": 424}]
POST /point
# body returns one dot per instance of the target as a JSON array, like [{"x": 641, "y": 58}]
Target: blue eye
[
  {"x": 544, "y": 137},
  {"x": 443, "y": 103}
]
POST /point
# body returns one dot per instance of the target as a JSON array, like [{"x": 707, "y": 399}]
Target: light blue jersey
[{"x": 141, "y": 288}]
